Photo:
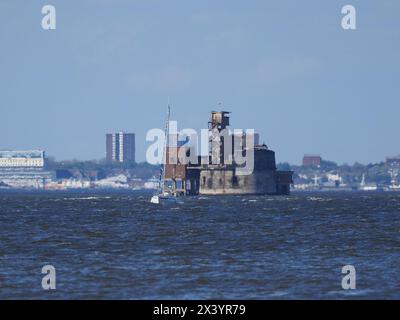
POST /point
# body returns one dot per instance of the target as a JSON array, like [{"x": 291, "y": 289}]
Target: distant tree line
[
  {"x": 103, "y": 168},
  {"x": 351, "y": 174}
]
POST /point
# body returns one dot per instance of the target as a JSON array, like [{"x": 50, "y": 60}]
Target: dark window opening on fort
[
  {"x": 209, "y": 183},
  {"x": 220, "y": 182},
  {"x": 204, "y": 181},
  {"x": 235, "y": 182}
]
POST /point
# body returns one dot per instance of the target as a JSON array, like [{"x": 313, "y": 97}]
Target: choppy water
[{"x": 119, "y": 246}]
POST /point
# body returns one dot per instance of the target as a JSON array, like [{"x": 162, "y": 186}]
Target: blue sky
[{"x": 284, "y": 68}]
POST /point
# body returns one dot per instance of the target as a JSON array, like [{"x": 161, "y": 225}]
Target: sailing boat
[
  {"x": 163, "y": 194},
  {"x": 367, "y": 186}
]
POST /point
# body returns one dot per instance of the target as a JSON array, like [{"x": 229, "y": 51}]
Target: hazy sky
[{"x": 284, "y": 68}]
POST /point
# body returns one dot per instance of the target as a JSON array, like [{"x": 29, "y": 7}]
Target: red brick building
[{"x": 312, "y": 160}]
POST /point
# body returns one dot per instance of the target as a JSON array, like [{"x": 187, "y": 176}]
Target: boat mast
[{"x": 164, "y": 158}]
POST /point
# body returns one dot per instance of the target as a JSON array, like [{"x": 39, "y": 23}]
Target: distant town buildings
[
  {"x": 393, "y": 161},
  {"x": 312, "y": 160},
  {"x": 120, "y": 147},
  {"x": 29, "y": 158},
  {"x": 23, "y": 169}
]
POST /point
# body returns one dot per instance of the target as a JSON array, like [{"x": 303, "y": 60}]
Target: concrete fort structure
[
  {"x": 214, "y": 175},
  {"x": 264, "y": 179}
]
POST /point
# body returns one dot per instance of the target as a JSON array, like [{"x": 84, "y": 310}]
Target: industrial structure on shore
[{"x": 213, "y": 175}]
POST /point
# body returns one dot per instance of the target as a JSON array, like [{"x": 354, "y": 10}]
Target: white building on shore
[
  {"x": 23, "y": 169},
  {"x": 22, "y": 159}
]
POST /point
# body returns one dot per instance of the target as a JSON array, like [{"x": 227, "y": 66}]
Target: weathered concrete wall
[{"x": 225, "y": 181}]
